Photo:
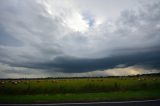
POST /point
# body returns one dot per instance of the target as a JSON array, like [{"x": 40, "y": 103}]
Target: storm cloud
[
  {"x": 149, "y": 60},
  {"x": 59, "y": 36}
]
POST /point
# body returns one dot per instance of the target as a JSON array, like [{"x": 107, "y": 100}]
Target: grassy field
[{"x": 79, "y": 89}]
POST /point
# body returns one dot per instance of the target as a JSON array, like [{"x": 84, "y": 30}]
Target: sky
[{"x": 79, "y": 38}]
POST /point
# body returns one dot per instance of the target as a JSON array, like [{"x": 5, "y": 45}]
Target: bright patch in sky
[{"x": 77, "y": 23}]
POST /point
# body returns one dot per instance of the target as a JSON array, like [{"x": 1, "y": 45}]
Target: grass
[
  {"x": 86, "y": 89},
  {"x": 110, "y": 96}
]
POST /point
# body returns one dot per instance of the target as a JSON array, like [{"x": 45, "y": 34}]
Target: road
[{"x": 126, "y": 103}]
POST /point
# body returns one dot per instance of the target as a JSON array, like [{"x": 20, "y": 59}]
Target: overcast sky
[{"x": 50, "y": 38}]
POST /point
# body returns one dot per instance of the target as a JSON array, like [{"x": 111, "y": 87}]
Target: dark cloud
[{"x": 77, "y": 65}]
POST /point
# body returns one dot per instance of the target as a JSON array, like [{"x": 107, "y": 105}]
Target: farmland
[{"x": 79, "y": 89}]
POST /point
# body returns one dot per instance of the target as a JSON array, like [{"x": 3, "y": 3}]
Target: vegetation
[
  {"x": 112, "y": 88},
  {"x": 110, "y": 96}
]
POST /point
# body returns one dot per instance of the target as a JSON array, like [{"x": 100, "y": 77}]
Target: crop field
[{"x": 79, "y": 89}]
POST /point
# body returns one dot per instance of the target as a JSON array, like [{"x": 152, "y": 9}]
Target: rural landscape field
[
  {"x": 80, "y": 52},
  {"x": 80, "y": 89}
]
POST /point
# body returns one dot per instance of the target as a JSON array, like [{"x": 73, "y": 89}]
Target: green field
[{"x": 79, "y": 89}]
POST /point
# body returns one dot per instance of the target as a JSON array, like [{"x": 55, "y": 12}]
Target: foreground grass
[{"x": 110, "y": 96}]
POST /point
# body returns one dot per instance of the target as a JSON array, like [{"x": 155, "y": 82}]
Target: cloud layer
[{"x": 65, "y": 37}]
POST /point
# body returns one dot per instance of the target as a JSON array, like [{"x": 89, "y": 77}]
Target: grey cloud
[
  {"x": 46, "y": 41},
  {"x": 148, "y": 60},
  {"x": 8, "y": 40}
]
